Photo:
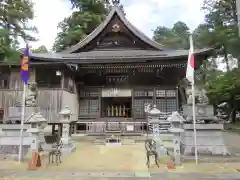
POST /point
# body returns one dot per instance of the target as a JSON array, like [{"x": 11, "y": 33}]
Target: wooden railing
[{"x": 120, "y": 127}]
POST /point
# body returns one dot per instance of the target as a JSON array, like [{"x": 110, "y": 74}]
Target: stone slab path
[{"x": 7, "y": 175}]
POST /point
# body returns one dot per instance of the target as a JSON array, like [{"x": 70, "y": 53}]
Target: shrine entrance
[
  {"x": 116, "y": 107},
  {"x": 116, "y": 102}
]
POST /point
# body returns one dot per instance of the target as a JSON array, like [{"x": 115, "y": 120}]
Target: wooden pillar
[
  {"x": 75, "y": 128},
  {"x": 59, "y": 130},
  {"x": 100, "y": 103},
  {"x": 53, "y": 129},
  {"x": 154, "y": 96},
  {"x": 133, "y": 114},
  {"x": 62, "y": 80},
  {"x": 177, "y": 99}
]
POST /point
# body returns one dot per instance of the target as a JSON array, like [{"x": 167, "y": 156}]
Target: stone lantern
[
  {"x": 177, "y": 130},
  {"x": 36, "y": 121},
  {"x": 65, "y": 116},
  {"x": 159, "y": 126},
  {"x": 153, "y": 120}
]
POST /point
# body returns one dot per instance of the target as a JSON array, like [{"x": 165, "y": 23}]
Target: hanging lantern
[{"x": 58, "y": 73}]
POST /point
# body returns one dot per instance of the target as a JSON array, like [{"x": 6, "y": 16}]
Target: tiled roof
[
  {"x": 100, "y": 28},
  {"x": 123, "y": 55}
]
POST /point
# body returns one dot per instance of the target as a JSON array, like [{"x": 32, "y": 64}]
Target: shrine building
[{"x": 106, "y": 79}]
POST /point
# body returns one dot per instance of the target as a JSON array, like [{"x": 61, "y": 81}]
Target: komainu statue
[
  {"x": 190, "y": 98},
  {"x": 202, "y": 98},
  {"x": 31, "y": 95}
]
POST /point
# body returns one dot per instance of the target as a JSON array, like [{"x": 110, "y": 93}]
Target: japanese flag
[{"x": 190, "y": 64}]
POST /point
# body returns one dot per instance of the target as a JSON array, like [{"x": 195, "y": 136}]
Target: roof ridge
[{"x": 98, "y": 30}]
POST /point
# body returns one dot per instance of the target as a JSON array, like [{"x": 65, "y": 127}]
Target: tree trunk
[
  {"x": 226, "y": 57},
  {"x": 232, "y": 108}
]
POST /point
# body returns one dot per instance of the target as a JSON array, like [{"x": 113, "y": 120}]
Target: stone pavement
[{"x": 10, "y": 175}]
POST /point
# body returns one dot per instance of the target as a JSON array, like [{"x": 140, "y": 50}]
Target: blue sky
[{"x": 146, "y": 15}]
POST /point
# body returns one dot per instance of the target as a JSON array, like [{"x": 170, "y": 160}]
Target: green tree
[
  {"x": 173, "y": 38},
  {"x": 14, "y": 17},
  {"x": 88, "y": 15},
  {"x": 221, "y": 32},
  {"x": 40, "y": 49},
  {"x": 221, "y": 20}
]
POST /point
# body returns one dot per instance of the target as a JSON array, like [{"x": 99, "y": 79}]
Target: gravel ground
[
  {"x": 110, "y": 176},
  {"x": 92, "y": 161}
]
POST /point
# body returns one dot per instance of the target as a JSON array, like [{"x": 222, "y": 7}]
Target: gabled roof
[{"x": 115, "y": 10}]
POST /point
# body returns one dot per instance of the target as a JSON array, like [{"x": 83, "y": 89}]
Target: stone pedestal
[
  {"x": 68, "y": 145},
  {"x": 209, "y": 140},
  {"x": 208, "y": 129}
]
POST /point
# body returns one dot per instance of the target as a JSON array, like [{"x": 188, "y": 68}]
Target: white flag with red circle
[{"x": 191, "y": 63}]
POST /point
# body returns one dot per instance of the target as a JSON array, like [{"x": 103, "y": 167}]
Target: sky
[{"x": 146, "y": 15}]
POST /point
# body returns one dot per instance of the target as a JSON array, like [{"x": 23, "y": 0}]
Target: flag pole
[
  {"x": 194, "y": 105},
  {"x": 24, "y": 75},
  {"x": 194, "y": 123},
  {"x": 22, "y": 123}
]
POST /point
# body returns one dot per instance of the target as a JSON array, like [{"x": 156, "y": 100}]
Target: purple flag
[{"x": 25, "y": 65}]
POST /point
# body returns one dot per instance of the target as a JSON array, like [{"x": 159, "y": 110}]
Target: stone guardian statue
[{"x": 31, "y": 95}]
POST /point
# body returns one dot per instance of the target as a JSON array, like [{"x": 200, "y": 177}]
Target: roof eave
[{"x": 62, "y": 56}]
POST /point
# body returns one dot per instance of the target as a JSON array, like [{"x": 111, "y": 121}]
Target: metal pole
[
  {"x": 194, "y": 103},
  {"x": 194, "y": 123},
  {"x": 20, "y": 155}
]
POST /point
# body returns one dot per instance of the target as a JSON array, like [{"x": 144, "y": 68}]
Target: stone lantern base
[
  {"x": 68, "y": 149},
  {"x": 68, "y": 145}
]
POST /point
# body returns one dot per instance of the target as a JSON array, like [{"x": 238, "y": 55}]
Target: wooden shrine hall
[{"x": 106, "y": 79}]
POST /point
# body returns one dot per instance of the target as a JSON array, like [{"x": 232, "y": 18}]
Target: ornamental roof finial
[{"x": 115, "y": 2}]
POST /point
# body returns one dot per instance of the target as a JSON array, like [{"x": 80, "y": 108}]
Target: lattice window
[
  {"x": 88, "y": 107},
  {"x": 166, "y": 100},
  {"x": 161, "y": 104},
  {"x": 139, "y": 105},
  {"x": 89, "y": 93},
  {"x": 171, "y": 105},
  {"x": 93, "y": 105},
  {"x": 83, "y": 107},
  {"x": 143, "y": 93},
  {"x": 160, "y": 93},
  {"x": 171, "y": 93}
]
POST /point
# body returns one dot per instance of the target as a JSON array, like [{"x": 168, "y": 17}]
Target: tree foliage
[
  {"x": 173, "y": 38},
  {"x": 40, "y": 49},
  {"x": 14, "y": 17},
  {"x": 86, "y": 17},
  {"x": 220, "y": 32}
]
